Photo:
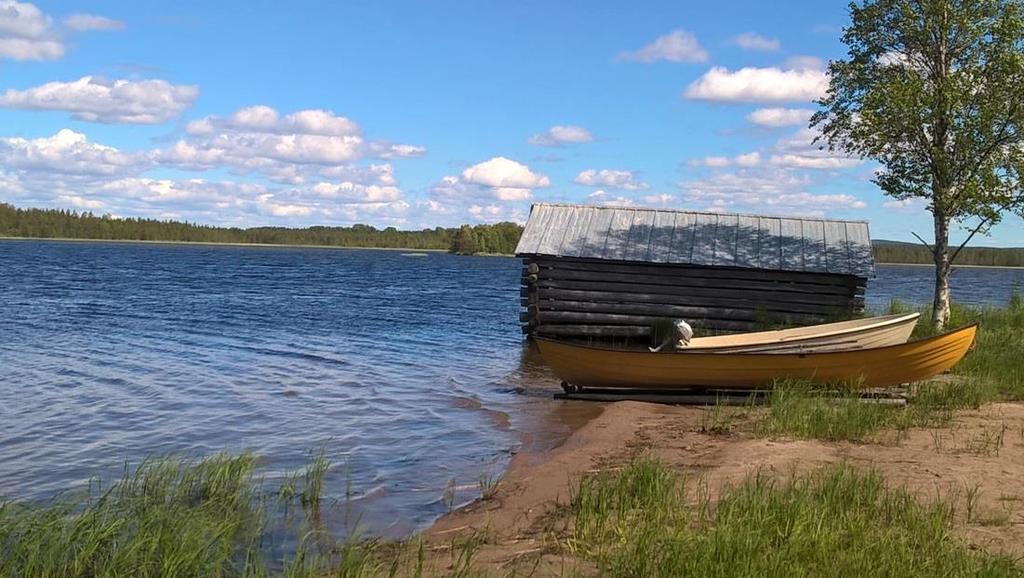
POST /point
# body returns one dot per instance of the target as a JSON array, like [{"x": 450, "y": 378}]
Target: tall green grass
[
  {"x": 834, "y": 522},
  {"x": 998, "y": 356},
  {"x": 167, "y": 518},
  {"x": 997, "y": 360},
  {"x": 803, "y": 410},
  {"x": 993, "y": 370},
  {"x": 177, "y": 517},
  {"x": 210, "y": 518}
]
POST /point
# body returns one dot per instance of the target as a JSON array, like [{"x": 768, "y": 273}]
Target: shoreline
[
  {"x": 954, "y": 266},
  {"x": 215, "y": 243},
  {"x": 349, "y": 247},
  {"x": 529, "y": 504}
]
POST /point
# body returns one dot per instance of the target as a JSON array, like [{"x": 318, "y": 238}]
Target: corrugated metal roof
[{"x": 690, "y": 238}]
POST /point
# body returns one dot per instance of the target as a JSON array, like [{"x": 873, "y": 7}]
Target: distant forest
[
  {"x": 58, "y": 223},
  {"x": 895, "y": 252},
  {"x": 500, "y": 238}
]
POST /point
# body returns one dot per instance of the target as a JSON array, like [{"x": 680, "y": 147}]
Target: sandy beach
[{"x": 980, "y": 454}]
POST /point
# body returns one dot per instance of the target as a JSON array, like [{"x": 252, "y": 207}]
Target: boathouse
[{"x": 600, "y": 272}]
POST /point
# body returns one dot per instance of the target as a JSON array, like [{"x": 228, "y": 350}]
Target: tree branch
[
  {"x": 1005, "y": 206},
  {"x": 923, "y": 242},
  {"x": 952, "y": 258}
]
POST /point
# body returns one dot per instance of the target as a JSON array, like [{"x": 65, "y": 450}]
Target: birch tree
[{"x": 933, "y": 90}]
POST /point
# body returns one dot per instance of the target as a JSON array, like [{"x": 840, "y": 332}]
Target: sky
[{"x": 419, "y": 114}]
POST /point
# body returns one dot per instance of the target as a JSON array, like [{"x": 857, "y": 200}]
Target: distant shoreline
[
  {"x": 215, "y": 243},
  {"x": 954, "y": 266},
  {"x": 349, "y": 247}
]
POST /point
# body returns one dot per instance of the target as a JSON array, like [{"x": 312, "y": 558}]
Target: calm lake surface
[{"x": 410, "y": 371}]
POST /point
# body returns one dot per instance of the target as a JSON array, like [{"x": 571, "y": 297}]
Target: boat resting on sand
[
  {"x": 840, "y": 336},
  {"x": 582, "y": 366}
]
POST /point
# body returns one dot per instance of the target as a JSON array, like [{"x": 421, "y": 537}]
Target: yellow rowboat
[
  {"x": 582, "y": 366},
  {"x": 844, "y": 335}
]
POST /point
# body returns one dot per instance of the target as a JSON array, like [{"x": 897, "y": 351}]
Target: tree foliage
[
  {"x": 57, "y": 223},
  {"x": 931, "y": 89}
]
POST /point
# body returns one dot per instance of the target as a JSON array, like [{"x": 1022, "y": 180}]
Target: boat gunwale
[
  {"x": 881, "y": 321},
  {"x": 952, "y": 332}
]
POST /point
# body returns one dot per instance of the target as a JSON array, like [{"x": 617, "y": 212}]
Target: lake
[{"x": 410, "y": 372}]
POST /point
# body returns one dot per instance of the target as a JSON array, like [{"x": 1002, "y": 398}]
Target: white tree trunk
[{"x": 940, "y": 304}]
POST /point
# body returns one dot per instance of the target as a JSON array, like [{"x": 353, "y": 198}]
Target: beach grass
[
  {"x": 177, "y": 516},
  {"x": 995, "y": 361},
  {"x": 167, "y": 517},
  {"x": 992, "y": 371},
  {"x": 998, "y": 356},
  {"x": 836, "y": 521},
  {"x": 804, "y": 410},
  {"x": 208, "y": 517}
]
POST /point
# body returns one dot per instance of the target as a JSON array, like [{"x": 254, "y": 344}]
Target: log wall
[{"x": 581, "y": 298}]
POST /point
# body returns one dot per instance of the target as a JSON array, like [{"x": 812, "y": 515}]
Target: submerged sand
[{"x": 522, "y": 521}]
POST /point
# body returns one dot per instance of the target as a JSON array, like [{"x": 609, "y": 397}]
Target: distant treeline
[
  {"x": 58, "y": 223},
  {"x": 910, "y": 253},
  {"x": 500, "y": 238}
]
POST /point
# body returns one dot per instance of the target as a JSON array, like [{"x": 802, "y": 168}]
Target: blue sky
[{"x": 417, "y": 114}]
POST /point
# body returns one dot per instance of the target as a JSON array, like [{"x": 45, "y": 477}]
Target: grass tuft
[
  {"x": 801, "y": 409},
  {"x": 167, "y": 518},
  {"x": 995, "y": 359},
  {"x": 836, "y": 522},
  {"x": 487, "y": 483}
]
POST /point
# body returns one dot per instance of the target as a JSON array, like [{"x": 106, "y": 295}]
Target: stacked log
[{"x": 570, "y": 297}]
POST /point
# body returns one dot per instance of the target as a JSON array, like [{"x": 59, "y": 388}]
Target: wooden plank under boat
[
  {"x": 841, "y": 336},
  {"x": 603, "y": 367}
]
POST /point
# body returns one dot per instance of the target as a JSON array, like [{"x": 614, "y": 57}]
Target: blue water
[
  {"x": 410, "y": 371},
  {"x": 969, "y": 285}
]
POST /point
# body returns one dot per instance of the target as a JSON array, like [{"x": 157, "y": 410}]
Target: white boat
[{"x": 849, "y": 335}]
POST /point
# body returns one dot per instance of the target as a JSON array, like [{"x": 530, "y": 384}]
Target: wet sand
[{"x": 523, "y": 521}]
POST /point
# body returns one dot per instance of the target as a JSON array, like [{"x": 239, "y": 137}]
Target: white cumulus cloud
[
  {"x": 291, "y": 148},
  {"x": 676, "y": 46},
  {"x": 283, "y": 147},
  {"x": 503, "y": 172},
  {"x": 559, "y": 135},
  {"x": 90, "y": 22},
  {"x": 744, "y": 160},
  {"x": 496, "y": 178},
  {"x": 805, "y": 63},
  {"x": 386, "y": 150},
  {"x": 68, "y": 152},
  {"x": 800, "y": 151},
  {"x": 660, "y": 201},
  {"x": 813, "y": 162},
  {"x": 612, "y": 179},
  {"x": 756, "y": 42},
  {"x": 109, "y": 101},
  {"x": 712, "y": 161},
  {"x": 767, "y": 190},
  {"x": 264, "y": 119},
  {"x": 909, "y": 205},
  {"x": 780, "y": 117},
  {"x": 26, "y": 33},
  {"x": 357, "y": 192},
  {"x": 749, "y": 160},
  {"x": 758, "y": 85}
]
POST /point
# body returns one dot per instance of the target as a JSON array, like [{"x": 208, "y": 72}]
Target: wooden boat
[
  {"x": 841, "y": 336},
  {"x": 582, "y": 366}
]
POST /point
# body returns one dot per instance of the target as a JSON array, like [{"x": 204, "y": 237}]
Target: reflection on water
[{"x": 412, "y": 372}]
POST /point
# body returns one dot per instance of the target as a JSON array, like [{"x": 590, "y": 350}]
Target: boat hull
[
  {"x": 588, "y": 366},
  {"x": 841, "y": 336}
]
